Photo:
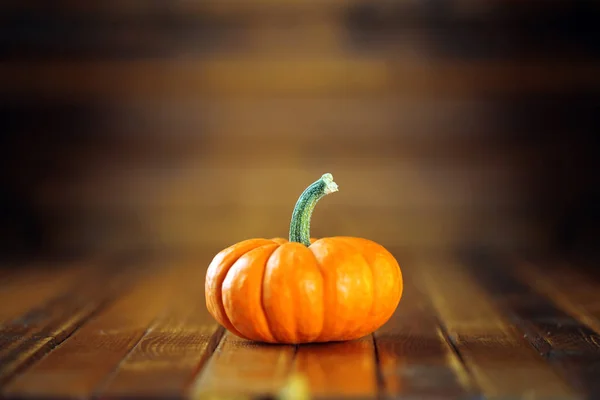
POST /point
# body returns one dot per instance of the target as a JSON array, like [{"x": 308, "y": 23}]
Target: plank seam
[
  {"x": 378, "y": 373},
  {"x": 453, "y": 347},
  {"x": 214, "y": 342},
  {"x": 546, "y": 288},
  {"x": 525, "y": 330},
  {"x": 96, "y": 392},
  {"x": 57, "y": 333},
  {"x": 211, "y": 347},
  {"x": 45, "y": 349}
]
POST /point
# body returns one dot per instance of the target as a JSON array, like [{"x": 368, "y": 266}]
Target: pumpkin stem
[{"x": 300, "y": 225}]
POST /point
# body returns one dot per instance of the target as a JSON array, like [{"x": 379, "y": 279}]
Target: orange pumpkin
[{"x": 303, "y": 290}]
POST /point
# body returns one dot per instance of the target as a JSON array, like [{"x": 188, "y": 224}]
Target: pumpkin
[{"x": 303, "y": 290}]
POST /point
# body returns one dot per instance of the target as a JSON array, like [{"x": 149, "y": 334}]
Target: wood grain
[
  {"x": 175, "y": 347},
  {"x": 26, "y": 287},
  {"x": 565, "y": 342},
  {"x": 415, "y": 359},
  {"x": 77, "y": 367},
  {"x": 571, "y": 290},
  {"x": 571, "y": 335},
  {"x": 240, "y": 367},
  {"x": 501, "y": 361},
  {"x": 28, "y": 338},
  {"x": 530, "y": 309}
]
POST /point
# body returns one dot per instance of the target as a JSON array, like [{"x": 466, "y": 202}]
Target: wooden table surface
[{"x": 136, "y": 326}]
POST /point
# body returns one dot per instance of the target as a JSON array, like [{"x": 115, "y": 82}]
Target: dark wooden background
[{"x": 182, "y": 124}]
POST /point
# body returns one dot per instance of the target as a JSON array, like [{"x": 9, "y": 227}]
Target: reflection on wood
[
  {"x": 414, "y": 356},
  {"x": 345, "y": 369},
  {"x": 242, "y": 367}
]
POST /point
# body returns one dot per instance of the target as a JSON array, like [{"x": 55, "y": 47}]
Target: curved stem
[{"x": 300, "y": 225}]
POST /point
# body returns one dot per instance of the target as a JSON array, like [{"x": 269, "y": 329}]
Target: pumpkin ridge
[
  {"x": 226, "y": 315},
  {"x": 318, "y": 339},
  {"x": 320, "y": 268},
  {"x": 262, "y": 294},
  {"x": 322, "y": 291},
  {"x": 350, "y": 243},
  {"x": 219, "y": 295},
  {"x": 349, "y": 334}
]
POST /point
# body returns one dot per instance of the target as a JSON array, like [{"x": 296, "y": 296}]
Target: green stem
[{"x": 300, "y": 225}]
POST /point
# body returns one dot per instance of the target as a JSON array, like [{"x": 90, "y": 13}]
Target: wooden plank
[
  {"x": 570, "y": 334},
  {"x": 565, "y": 342},
  {"x": 224, "y": 77},
  {"x": 533, "y": 310},
  {"x": 30, "y": 286},
  {"x": 241, "y": 367},
  {"x": 569, "y": 288},
  {"x": 175, "y": 347},
  {"x": 502, "y": 363},
  {"x": 115, "y": 8},
  {"x": 80, "y": 364},
  {"x": 415, "y": 359},
  {"x": 28, "y": 338},
  {"x": 339, "y": 369}
]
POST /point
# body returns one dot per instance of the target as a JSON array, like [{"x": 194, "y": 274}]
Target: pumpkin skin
[{"x": 275, "y": 291}]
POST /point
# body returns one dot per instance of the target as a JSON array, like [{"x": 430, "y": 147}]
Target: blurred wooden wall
[{"x": 198, "y": 123}]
